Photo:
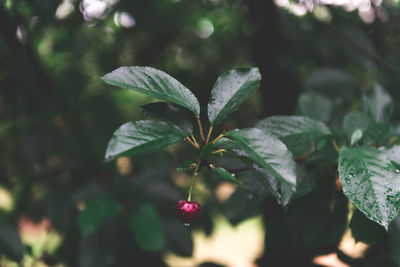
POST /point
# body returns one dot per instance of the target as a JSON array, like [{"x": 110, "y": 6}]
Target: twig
[
  {"x": 194, "y": 140},
  {"x": 219, "y": 151},
  {"x": 336, "y": 146},
  {"x": 209, "y": 134},
  {"x": 218, "y": 137},
  {"x": 200, "y": 128},
  {"x": 193, "y": 144}
]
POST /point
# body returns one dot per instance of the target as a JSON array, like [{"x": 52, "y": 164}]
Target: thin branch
[
  {"x": 194, "y": 140},
  {"x": 209, "y": 134},
  {"x": 336, "y": 146},
  {"x": 200, "y": 128},
  {"x": 218, "y": 151},
  {"x": 218, "y": 137},
  {"x": 193, "y": 144}
]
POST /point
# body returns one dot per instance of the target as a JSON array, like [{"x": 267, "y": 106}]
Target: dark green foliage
[{"x": 327, "y": 84}]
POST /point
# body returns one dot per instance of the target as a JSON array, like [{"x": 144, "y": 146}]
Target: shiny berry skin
[{"x": 187, "y": 211}]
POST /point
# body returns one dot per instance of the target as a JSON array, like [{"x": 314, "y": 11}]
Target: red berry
[{"x": 187, "y": 211}]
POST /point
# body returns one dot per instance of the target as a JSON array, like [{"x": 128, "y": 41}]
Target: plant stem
[
  {"x": 219, "y": 151},
  {"x": 191, "y": 185},
  {"x": 193, "y": 144},
  {"x": 336, "y": 146},
  {"x": 194, "y": 139},
  {"x": 200, "y": 128},
  {"x": 218, "y": 137},
  {"x": 209, "y": 134}
]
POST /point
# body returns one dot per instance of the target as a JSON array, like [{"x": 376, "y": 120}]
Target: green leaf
[
  {"x": 283, "y": 192},
  {"x": 316, "y": 106},
  {"x": 10, "y": 242},
  {"x": 185, "y": 165},
  {"x": 268, "y": 152},
  {"x": 96, "y": 211},
  {"x": 393, "y": 154},
  {"x": 226, "y": 174},
  {"x": 378, "y": 103},
  {"x": 355, "y": 137},
  {"x": 294, "y": 131},
  {"x": 154, "y": 83},
  {"x": 230, "y": 91},
  {"x": 141, "y": 137},
  {"x": 146, "y": 228},
  {"x": 371, "y": 182},
  {"x": 207, "y": 150},
  {"x": 372, "y": 131},
  {"x": 170, "y": 114}
]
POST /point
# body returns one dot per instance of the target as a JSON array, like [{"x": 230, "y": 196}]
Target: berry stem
[
  {"x": 200, "y": 128},
  {"x": 193, "y": 178}
]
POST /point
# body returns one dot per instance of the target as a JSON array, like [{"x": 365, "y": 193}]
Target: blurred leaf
[
  {"x": 96, "y": 211},
  {"x": 185, "y": 165},
  {"x": 331, "y": 79},
  {"x": 315, "y": 106},
  {"x": 394, "y": 239},
  {"x": 241, "y": 206},
  {"x": 355, "y": 137},
  {"x": 226, "y": 175},
  {"x": 207, "y": 150},
  {"x": 365, "y": 230},
  {"x": 141, "y": 137},
  {"x": 294, "y": 131},
  {"x": 170, "y": 114},
  {"x": 146, "y": 228},
  {"x": 10, "y": 242},
  {"x": 155, "y": 83},
  {"x": 378, "y": 103},
  {"x": 280, "y": 190},
  {"x": 230, "y": 91},
  {"x": 178, "y": 237},
  {"x": 99, "y": 248},
  {"x": 268, "y": 152},
  {"x": 372, "y": 131},
  {"x": 371, "y": 182}
]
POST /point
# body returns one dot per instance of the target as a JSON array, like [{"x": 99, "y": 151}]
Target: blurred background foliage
[{"x": 61, "y": 206}]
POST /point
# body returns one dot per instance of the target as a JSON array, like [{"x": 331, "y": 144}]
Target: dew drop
[
  {"x": 398, "y": 171},
  {"x": 186, "y": 224}
]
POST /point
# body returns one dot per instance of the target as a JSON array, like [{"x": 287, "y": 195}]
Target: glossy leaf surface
[
  {"x": 371, "y": 182},
  {"x": 170, "y": 114},
  {"x": 226, "y": 175},
  {"x": 268, "y": 152},
  {"x": 230, "y": 91},
  {"x": 141, "y": 137},
  {"x": 154, "y": 83},
  {"x": 294, "y": 131}
]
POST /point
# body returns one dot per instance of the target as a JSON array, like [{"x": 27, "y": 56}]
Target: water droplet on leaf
[{"x": 186, "y": 224}]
